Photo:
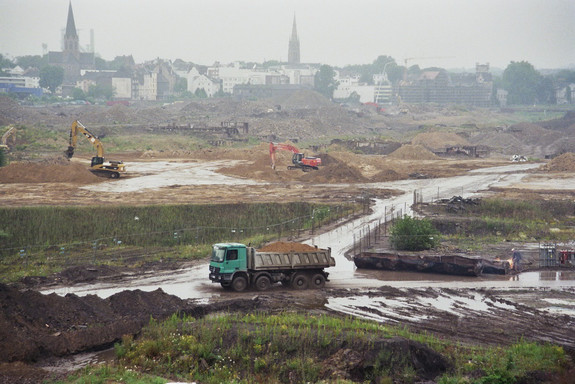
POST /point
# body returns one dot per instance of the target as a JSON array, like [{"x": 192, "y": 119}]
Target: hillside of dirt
[
  {"x": 438, "y": 140},
  {"x": 306, "y": 116},
  {"x": 563, "y": 163},
  {"x": 47, "y": 172}
]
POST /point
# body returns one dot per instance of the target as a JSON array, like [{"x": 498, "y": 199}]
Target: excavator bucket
[{"x": 69, "y": 152}]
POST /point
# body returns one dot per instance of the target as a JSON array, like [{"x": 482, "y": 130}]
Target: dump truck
[{"x": 238, "y": 267}]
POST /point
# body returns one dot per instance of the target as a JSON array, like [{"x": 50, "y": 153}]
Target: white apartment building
[
  {"x": 197, "y": 81},
  {"x": 148, "y": 87},
  {"x": 348, "y": 85},
  {"x": 233, "y": 75},
  {"x": 122, "y": 87}
]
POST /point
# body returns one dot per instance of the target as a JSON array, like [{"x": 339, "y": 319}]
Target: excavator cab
[
  {"x": 297, "y": 158},
  {"x": 96, "y": 160}
]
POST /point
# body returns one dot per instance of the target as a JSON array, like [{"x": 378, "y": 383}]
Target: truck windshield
[{"x": 218, "y": 254}]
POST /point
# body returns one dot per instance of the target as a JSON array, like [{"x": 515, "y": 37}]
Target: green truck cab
[{"x": 237, "y": 267}]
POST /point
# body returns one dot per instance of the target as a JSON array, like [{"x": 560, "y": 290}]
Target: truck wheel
[
  {"x": 263, "y": 283},
  {"x": 114, "y": 175},
  {"x": 300, "y": 281},
  {"x": 318, "y": 281},
  {"x": 226, "y": 286},
  {"x": 240, "y": 283}
]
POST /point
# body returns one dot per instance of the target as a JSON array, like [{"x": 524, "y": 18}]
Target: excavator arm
[
  {"x": 9, "y": 133},
  {"x": 99, "y": 167},
  {"x": 298, "y": 159},
  {"x": 78, "y": 127}
]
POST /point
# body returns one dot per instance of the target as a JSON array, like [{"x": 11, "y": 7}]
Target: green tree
[
  {"x": 521, "y": 81},
  {"x": 51, "y": 77},
  {"x": 181, "y": 85},
  {"x": 101, "y": 91},
  {"x": 78, "y": 94},
  {"x": 546, "y": 91},
  {"x": 325, "y": 82},
  {"x": 5, "y": 62},
  {"x": 35, "y": 61},
  {"x": 409, "y": 234},
  {"x": 3, "y": 161},
  {"x": 201, "y": 93}
]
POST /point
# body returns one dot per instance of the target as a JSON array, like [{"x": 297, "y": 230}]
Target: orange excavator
[{"x": 299, "y": 160}]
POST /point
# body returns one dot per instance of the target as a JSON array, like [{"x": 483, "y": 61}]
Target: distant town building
[
  {"x": 349, "y": 87},
  {"x": 71, "y": 59},
  {"x": 197, "y": 81},
  {"x": 437, "y": 86},
  {"x": 20, "y": 82},
  {"x": 293, "y": 49}
]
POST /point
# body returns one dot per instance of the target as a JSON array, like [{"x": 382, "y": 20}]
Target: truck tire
[
  {"x": 239, "y": 283},
  {"x": 262, "y": 283},
  {"x": 300, "y": 281},
  {"x": 226, "y": 286},
  {"x": 114, "y": 175},
  {"x": 318, "y": 281}
]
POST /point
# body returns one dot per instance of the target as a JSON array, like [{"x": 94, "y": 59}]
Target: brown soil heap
[
  {"x": 47, "y": 173},
  {"x": 563, "y": 163},
  {"x": 282, "y": 246}
]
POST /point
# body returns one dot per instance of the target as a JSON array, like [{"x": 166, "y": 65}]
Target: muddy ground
[{"x": 37, "y": 330}]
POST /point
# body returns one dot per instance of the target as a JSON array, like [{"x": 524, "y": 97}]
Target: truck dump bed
[{"x": 289, "y": 260}]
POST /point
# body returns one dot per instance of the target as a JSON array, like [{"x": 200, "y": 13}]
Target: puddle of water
[
  {"x": 544, "y": 278},
  {"x": 395, "y": 309}
]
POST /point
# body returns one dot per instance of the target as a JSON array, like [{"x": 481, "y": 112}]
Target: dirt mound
[
  {"x": 387, "y": 175},
  {"x": 282, "y": 246},
  {"x": 438, "y": 140},
  {"x": 47, "y": 172},
  {"x": 34, "y": 325},
  {"x": 10, "y": 111},
  {"x": 563, "y": 163},
  {"x": 334, "y": 170},
  {"x": 413, "y": 152}
]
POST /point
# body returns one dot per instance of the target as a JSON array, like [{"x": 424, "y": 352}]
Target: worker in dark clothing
[{"x": 516, "y": 259}]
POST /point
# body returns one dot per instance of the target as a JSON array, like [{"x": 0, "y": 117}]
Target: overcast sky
[{"x": 445, "y": 33}]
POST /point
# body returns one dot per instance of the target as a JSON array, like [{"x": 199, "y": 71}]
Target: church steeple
[
  {"x": 71, "y": 40},
  {"x": 293, "y": 51}
]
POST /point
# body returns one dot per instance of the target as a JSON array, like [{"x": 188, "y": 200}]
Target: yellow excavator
[
  {"x": 10, "y": 133},
  {"x": 99, "y": 167}
]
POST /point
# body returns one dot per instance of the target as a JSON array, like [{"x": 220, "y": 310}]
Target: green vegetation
[
  {"x": 409, "y": 234},
  {"x": 295, "y": 347},
  {"x": 494, "y": 220},
  {"x": 42, "y": 240},
  {"x": 3, "y": 160},
  {"x": 105, "y": 374}
]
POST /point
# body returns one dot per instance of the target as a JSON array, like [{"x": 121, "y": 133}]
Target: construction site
[{"x": 411, "y": 159}]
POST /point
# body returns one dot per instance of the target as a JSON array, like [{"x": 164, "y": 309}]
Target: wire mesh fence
[{"x": 132, "y": 247}]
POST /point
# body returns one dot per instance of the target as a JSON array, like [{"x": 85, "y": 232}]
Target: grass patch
[
  {"x": 516, "y": 220},
  {"x": 300, "y": 347}
]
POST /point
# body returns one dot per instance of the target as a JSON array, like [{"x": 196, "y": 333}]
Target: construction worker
[{"x": 516, "y": 259}]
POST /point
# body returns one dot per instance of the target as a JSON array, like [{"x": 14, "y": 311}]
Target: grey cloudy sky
[{"x": 445, "y": 33}]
